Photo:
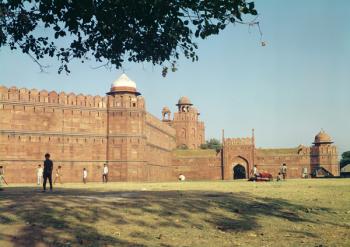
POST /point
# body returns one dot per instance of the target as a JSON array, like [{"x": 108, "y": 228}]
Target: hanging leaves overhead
[{"x": 114, "y": 31}]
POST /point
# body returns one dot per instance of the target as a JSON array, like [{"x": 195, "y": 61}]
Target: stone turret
[
  {"x": 126, "y": 129},
  {"x": 166, "y": 114},
  {"x": 189, "y": 130},
  {"x": 324, "y": 154}
]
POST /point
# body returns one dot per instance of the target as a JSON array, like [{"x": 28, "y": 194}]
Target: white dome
[{"x": 123, "y": 81}]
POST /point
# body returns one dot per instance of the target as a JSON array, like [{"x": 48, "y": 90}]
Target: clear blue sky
[{"x": 287, "y": 90}]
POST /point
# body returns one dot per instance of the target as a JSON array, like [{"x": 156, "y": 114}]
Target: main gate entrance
[{"x": 239, "y": 172}]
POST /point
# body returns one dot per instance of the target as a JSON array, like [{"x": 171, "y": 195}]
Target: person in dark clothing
[{"x": 47, "y": 174}]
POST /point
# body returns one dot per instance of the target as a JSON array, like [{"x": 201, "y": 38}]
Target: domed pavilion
[
  {"x": 123, "y": 85},
  {"x": 322, "y": 138}
]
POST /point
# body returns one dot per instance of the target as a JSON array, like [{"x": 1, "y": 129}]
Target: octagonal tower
[
  {"x": 324, "y": 154},
  {"x": 190, "y": 132},
  {"x": 125, "y": 131}
]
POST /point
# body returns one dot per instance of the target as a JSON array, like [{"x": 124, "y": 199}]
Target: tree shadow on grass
[{"x": 73, "y": 216}]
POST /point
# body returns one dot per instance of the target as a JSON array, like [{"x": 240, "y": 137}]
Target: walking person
[
  {"x": 284, "y": 171},
  {"x": 39, "y": 174},
  {"x": 85, "y": 174},
  {"x": 47, "y": 174},
  {"x": 58, "y": 175},
  {"x": 255, "y": 171},
  {"x": 105, "y": 174},
  {"x": 2, "y": 177}
]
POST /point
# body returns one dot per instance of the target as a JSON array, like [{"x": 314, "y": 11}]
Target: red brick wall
[
  {"x": 295, "y": 164},
  {"x": 242, "y": 151},
  {"x": 87, "y": 131},
  {"x": 161, "y": 140},
  {"x": 72, "y": 128},
  {"x": 197, "y": 168},
  {"x": 82, "y": 131}
]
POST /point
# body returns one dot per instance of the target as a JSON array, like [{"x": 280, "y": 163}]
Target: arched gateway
[{"x": 239, "y": 172}]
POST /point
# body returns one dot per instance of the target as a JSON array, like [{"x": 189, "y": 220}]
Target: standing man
[
  {"x": 39, "y": 174},
  {"x": 85, "y": 174},
  {"x": 284, "y": 171},
  {"x": 105, "y": 174},
  {"x": 255, "y": 171},
  {"x": 47, "y": 174},
  {"x": 2, "y": 178}
]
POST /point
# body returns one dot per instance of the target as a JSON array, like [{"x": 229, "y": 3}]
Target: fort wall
[
  {"x": 72, "y": 128},
  {"x": 161, "y": 140},
  {"x": 270, "y": 160},
  {"x": 82, "y": 132},
  {"x": 197, "y": 164},
  {"x": 297, "y": 159}
]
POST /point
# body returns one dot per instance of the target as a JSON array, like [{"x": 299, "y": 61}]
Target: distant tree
[
  {"x": 112, "y": 31},
  {"x": 183, "y": 147},
  {"x": 204, "y": 146},
  {"x": 345, "y": 159},
  {"x": 212, "y": 144}
]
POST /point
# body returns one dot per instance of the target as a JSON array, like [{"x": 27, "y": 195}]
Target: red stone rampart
[
  {"x": 197, "y": 167},
  {"x": 73, "y": 129},
  {"x": 160, "y": 143}
]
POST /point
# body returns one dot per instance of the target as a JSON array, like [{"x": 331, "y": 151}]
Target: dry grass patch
[{"x": 237, "y": 213}]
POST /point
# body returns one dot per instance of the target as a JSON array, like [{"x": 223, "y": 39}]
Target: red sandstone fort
[{"x": 83, "y": 131}]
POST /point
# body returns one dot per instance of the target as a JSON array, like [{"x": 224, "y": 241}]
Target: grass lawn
[{"x": 233, "y": 213}]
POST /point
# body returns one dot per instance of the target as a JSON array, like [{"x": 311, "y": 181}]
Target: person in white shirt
[
  {"x": 105, "y": 174},
  {"x": 284, "y": 171},
  {"x": 255, "y": 171},
  {"x": 85, "y": 174},
  {"x": 39, "y": 174}
]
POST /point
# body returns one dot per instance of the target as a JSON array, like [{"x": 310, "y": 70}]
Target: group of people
[
  {"x": 45, "y": 173},
  {"x": 282, "y": 175}
]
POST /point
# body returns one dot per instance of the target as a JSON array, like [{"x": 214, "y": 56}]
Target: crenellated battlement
[
  {"x": 238, "y": 141},
  {"x": 43, "y": 96},
  {"x": 126, "y": 101},
  {"x": 185, "y": 116}
]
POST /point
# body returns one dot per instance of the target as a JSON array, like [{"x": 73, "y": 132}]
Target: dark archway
[{"x": 239, "y": 172}]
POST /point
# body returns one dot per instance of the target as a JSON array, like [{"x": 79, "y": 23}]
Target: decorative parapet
[
  {"x": 126, "y": 101},
  {"x": 25, "y": 95},
  {"x": 185, "y": 116},
  {"x": 238, "y": 141}
]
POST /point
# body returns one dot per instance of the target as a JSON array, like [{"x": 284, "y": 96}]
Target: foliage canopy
[
  {"x": 345, "y": 159},
  {"x": 212, "y": 144},
  {"x": 114, "y": 31}
]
